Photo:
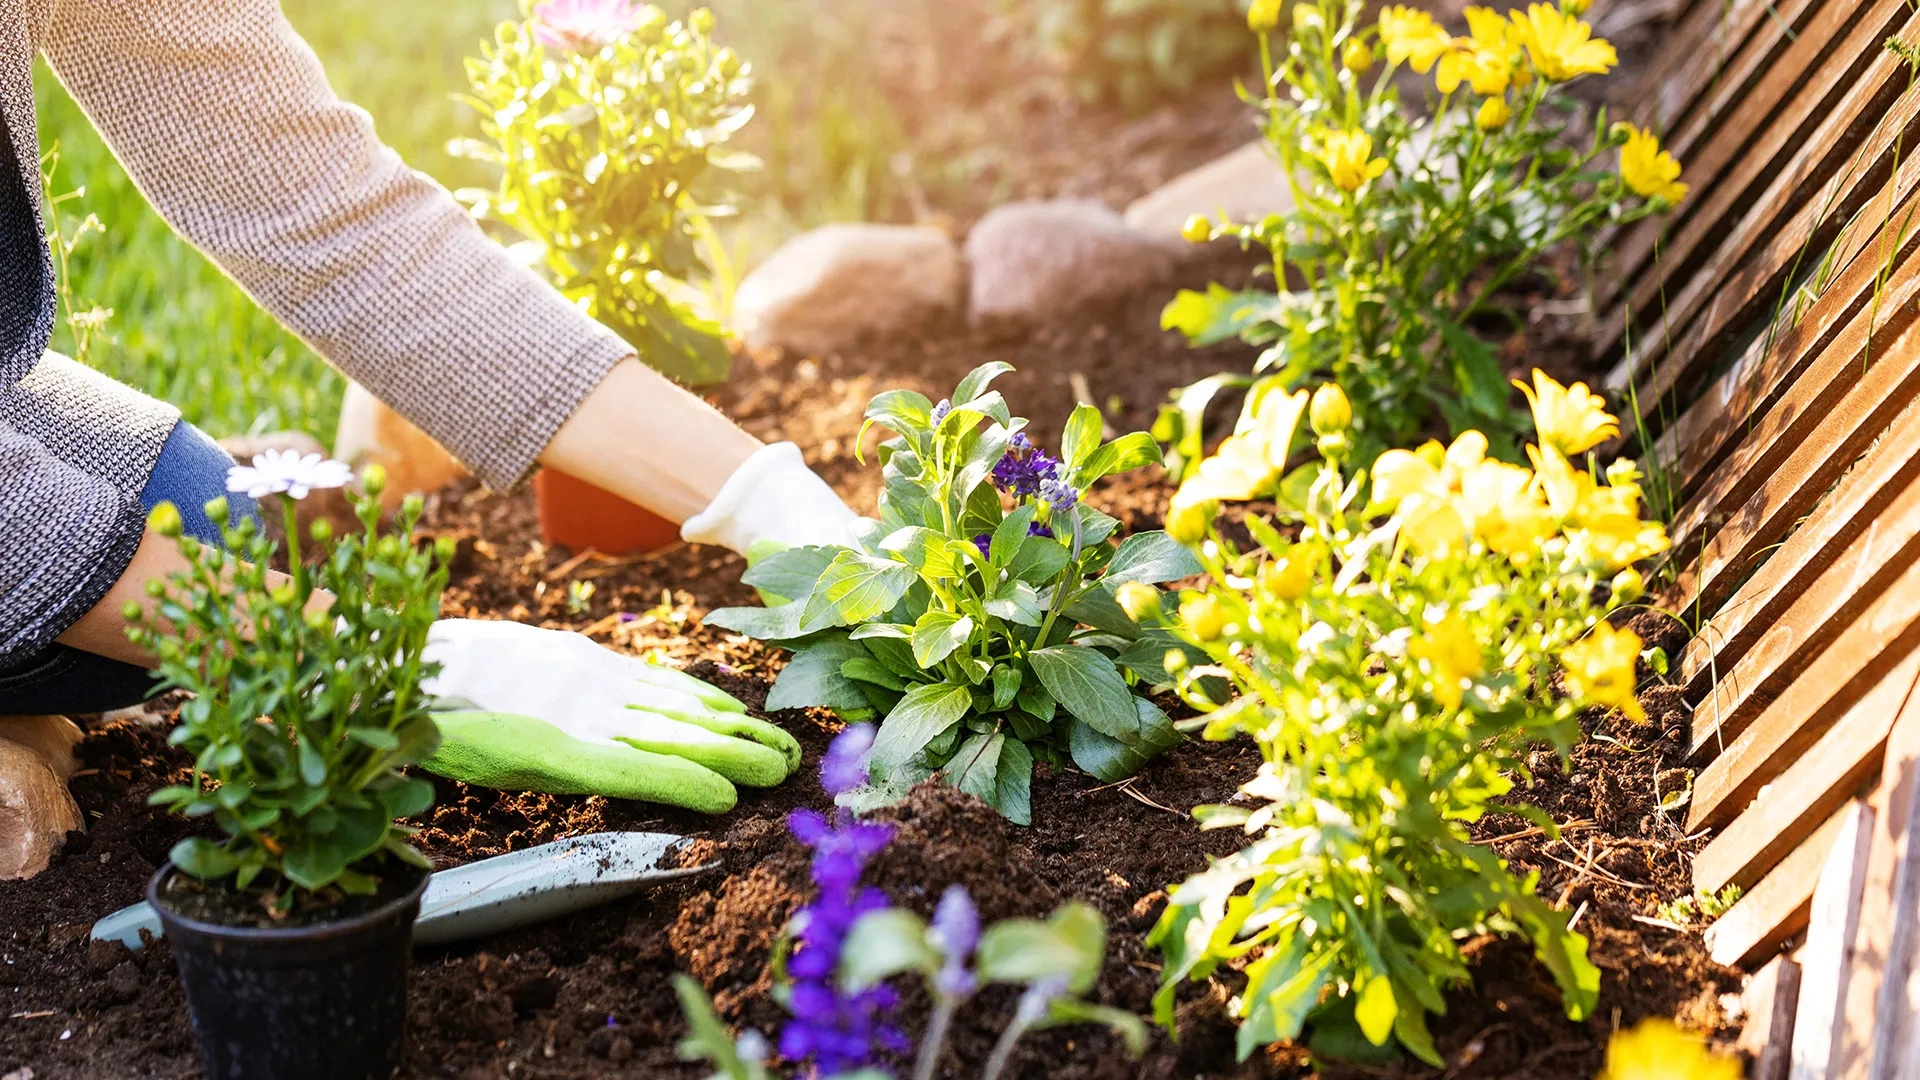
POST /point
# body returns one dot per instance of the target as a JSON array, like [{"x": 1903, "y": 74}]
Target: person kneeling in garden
[{"x": 225, "y": 120}]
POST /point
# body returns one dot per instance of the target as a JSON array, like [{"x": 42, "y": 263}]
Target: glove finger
[
  {"x": 741, "y": 760},
  {"x": 666, "y": 678},
  {"x": 742, "y": 726},
  {"x": 521, "y": 753}
]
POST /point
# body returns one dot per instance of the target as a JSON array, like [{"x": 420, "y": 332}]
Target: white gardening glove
[
  {"x": 771, "y": 501},
  {"x": 526, "y": 709}
]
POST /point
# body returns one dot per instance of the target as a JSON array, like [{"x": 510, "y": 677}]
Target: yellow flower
[
  {"x": 1348, "y": 156},
  {"x": 1330, "y": 412},
  {"x": 1427, "y": 498},
  {"x": 1493, "y": 114},
  {"x": 1242, "y": 466},
  {"x": 1489, "y": 30},
  {"x": 1650, "y": 171},
  {"x": 1600, "y": 671},
  {"x": 1484, "y": 58},
  {"x": 1658, "y": 1050},
  {"x": 1291, "y": 575},
  {"x": 1452, "y": 656},
  {"x": 1357, "y": 56},
  {"x": 1505, "y": 510},
  {"x": 1202, "y": 615},
  {"x": 1264, "y": 16},
  {"x": 1575, "y": 7},
  {"x": 1412, "y": 37},
  {"x": 1197, "y": 230},
  {"x": 1571, "y": 420},
  {"x": 1560, "y": 45},
  {"x": 1603, "y": 524}
]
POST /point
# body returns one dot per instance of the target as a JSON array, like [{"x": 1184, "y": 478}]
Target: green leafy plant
[
  {"x": 1395, "y": 658},
  {"x": 1701, "y": 907},
  {"x": 604, "y": 118},
  {"x": 301, "y": 717},
  {"x": 1405, "y": 229},
  {"x": 1133, "y": 53},
  {"x": 987, "y": 636}
]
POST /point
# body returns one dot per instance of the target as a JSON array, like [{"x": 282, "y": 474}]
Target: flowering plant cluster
[
  {"x": 301, "y": 717},
  {"x": 604, "y": 118},
  {"x": 850, "y": 940},
  {"x": 1391, "y": 642},
  {"x": 1404, "y": 231},
  {"x": 986, "y": 634},
  {"x": 1134, "y": 53}
]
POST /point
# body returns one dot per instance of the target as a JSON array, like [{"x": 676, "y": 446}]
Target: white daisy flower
[{"x": 287, "y": 470}]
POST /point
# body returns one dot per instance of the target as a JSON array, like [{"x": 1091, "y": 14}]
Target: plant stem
[
  {"x": 936, "y": 1036},
  {"x": 1003, "y": 1051}
]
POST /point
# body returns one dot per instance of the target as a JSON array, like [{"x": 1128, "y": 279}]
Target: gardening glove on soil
[
  {"x": 526, "y": 709},
  {"x": 772, "y": 501}
]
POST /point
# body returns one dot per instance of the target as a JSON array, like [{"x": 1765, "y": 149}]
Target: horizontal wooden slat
[
  {"x": 1716, "y": 540},
  {"x": 1833, "y": 531},
  {"x": 1859, "y": 659},
  {"x": 1772, "y": 912},
  {"x": 1704, "y": 44},
  {"x": 1816, "y": 784},
  {"x": 1841, "y": 162},
  {"x": 1730, "y": 152},
  {"x": 1699, "y": 439}
]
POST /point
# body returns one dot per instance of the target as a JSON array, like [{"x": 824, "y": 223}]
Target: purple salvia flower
[
  {"x": 940, "y": 412},
  {"x": 1024, "y": 467},
  {"x": 956, "y": 930},
  {"x": 1058, "y": 494},
  {"x": 845, "y": 765},
  {"x": 1020, "y": 444},
  {"x": 985, "y": 543},
  {"x": 1036, "y": 529}
]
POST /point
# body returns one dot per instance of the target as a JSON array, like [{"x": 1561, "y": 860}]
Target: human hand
[
  {"x": 526, "y": 709},
  {"x": 772, "y": 501}
]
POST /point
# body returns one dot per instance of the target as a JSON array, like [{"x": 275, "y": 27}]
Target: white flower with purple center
[
  {"x": 288, "y": 471},
  {"x": 584, "y": 26}
]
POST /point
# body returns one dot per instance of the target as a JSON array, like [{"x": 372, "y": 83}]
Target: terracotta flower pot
[{"x": 575, "y": 514}]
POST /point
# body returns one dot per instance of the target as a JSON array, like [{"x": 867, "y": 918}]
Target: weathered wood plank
[
  {"x": 1729, "y": 161},
  {"x": 1818, "y": 613},
  {"x": 1770, "y": 998},
  {"x": 1705, "y": 43},
  {"x": 1810, "y": 789},
  {"x": 1820, "y": 1019},
  {"x": 1836, "y": 523},
  {"x": 1715, "y": 540},
  {"x": 1775, "y": 910},
  {"x": 1882, "y": 998},
  {"x": 1859, "y": 659},
  {"x": 1845, "y": 158}
]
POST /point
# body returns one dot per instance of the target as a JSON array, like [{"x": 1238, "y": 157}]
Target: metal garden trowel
[{"x": 500, "y": 893}]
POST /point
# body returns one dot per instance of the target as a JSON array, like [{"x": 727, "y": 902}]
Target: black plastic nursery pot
[{"x": 326, "y": 1001}]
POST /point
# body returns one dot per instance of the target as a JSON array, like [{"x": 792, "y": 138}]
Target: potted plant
[
  {"x": 292, "y": 924},
  {"x": 605, "y": 119}
]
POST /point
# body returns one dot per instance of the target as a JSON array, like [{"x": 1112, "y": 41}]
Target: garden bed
[{"x": 588, "y": 996}]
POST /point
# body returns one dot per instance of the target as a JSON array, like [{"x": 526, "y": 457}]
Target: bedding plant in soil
[{"x": 590, "y": 996}]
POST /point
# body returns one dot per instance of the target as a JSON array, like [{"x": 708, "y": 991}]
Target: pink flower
[{"x": 583, "y": 25}]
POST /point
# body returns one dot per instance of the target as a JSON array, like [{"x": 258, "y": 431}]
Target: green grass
[{"x": 181, "y": 331}]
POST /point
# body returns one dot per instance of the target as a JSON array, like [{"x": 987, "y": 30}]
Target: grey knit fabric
[{"x": 225, "y": 120}]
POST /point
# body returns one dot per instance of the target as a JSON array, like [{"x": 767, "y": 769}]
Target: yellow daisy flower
[
  {"x": 1650, "y": 171},
  {"x": 1493, "y": 115},
  {"x": 1573, "y": 419},
  {"x": 1600, "y": 671},
  {"x": 1348, "y": 156},
  {"x": 1560, "y": 46},
  {"x": 1452, "y": 657},
  {"x": 1412, "y": 37},
  {"x": 1658, "y": 1050}
]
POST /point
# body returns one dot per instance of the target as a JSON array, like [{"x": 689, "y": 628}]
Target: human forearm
[{"x": 103, "y": 629}]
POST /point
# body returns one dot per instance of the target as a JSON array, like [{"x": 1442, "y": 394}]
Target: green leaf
[
  {"x": 928, "y": 710},
  {"x": 790, "y": 574},
  {"x": 1218, "y": 314},
  {"x": 937, "y": 634},
  {"x": 1039, "y": 561},
  {"x": 762, "y": 624},
  {"x": 1010, "y": 535},
  {"x": 376, "y": 738},
  {"x": 1102, "y": 757},
  {"x": 905, "y": 411},
  {"x": 1125, "y": 454},
  {"x": 1151, "y": 558},
  {"x": 854, "y": 589},
  {"x": 1087, "y": 685},
  {"x": 1069, "y": 944},
  {"x": 405, "y": 796},
  {"x": 314, "y": 863},
  {"x": 1375, "y": 1009},
  {"x": 1017, "y": 603},
  {"x": 198, "y": 857},
  {"x": 927, "y": 551},
  {"x": 981, "y": 452},
  {"x": 882, "y": 944},
  {"x": 976, "y": 381},
  {"x": 1131, "y": 1030},
  {"x": 976, "y": 764},
  {"x": 313, "y": 767},
  {"x": 1081, "y": 436},
  {"x": 1097, "y": 608},
  {"x": 868, "y": 670},
  {"x": 813, "y": 678},
  {"x": 707, "y": 1038},
  {"x": 1283, "y": 986},
  {"x": 1006, "y": 683}
]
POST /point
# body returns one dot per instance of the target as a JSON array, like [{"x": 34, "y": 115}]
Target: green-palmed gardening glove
[{"x": 526, "y": 709}]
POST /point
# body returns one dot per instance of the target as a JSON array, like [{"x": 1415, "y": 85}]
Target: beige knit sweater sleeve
[{"x": 224, "y": 118}]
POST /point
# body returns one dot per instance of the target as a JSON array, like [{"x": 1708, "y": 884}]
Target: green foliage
[
  {"x": 1395, "y": 674},
  {"x": 989, "y": 638},
  {"x": 1702, "y": 907},
  {"x": 1405, "y": 228},
  {"x": 300, "y": 721},
  {"x": 602, "y": 153},
  {"x": 1134, "y": 53}
]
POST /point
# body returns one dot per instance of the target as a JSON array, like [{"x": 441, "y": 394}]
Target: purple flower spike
[
  {"x": 1020, "y": 444},
  {"x": 1036, "y": 529},
  {"x": 985, "y": 543},
  {"x": 940, "y": 412},
  {"x": 845, "y": 765},
  {"x": 1059, "y": 494},
  {"x": 1024, "y": 467},
  {"x": 956, "y": 930}
]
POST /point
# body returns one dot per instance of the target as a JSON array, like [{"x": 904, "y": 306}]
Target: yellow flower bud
[
  {"x": 156, "y": 588},
  {"x": 1140, "y": 601},
  {"x": 1197, "y": 230},
  {"x": 1330, "y": 412},
  {"x": 1306, "y": 17},
  {"x": 322, "y": 531},
  {"x": 1264, "y": 16},
  {"x": 701, "y": 20},
  {"x": 373, "y": 479},
  {"x": 1175, "y": 661},
  {"x": 1628, "y": 586},
  {"x": 285, "y": 595},
  {"x": 132, "y": 612},
  {"x": 1187, "y": 520},
  {"x": 217, "y": 510},
  {"x": 1357, "y": 56},
  {"x": 1202, "y": 616},
  {"x": 653, "y": 24},
  {"x": 165, "y": 520},
  {"x": 1576, "y": 7},
  {"x": 1290, "y": 577},
  {"x": 1493, "y": 114}
]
